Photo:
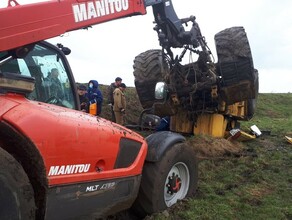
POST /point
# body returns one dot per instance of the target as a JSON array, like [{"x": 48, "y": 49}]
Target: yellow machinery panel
[
  {"x": 211, "y": 124},
  {"x": 238, "y": 109},
  {"x": 181, "y": 123}
]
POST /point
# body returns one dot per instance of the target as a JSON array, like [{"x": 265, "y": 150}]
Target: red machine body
[
  {"x": 70, "y": 157},
  {"x": 79, "y": 159},
  {"x": 57, "y": 162},
  {"x": 53, "y": 129}
]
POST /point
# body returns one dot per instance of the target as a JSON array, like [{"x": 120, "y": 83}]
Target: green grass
[{"x": 274, "y": 113}]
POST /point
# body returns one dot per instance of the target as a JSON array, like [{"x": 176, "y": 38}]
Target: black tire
[
  {"x": 232, "y": 44},
  {"x": 155, "y": 195},
  {"x": 16, "y": 193},
  {"x": 149, "y": 68}
]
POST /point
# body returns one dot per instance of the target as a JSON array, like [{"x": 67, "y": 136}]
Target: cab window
[{"x": 47, "y": 66}]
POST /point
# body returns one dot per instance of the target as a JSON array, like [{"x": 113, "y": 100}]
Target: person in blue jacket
[{"x": 94, "y": 95}]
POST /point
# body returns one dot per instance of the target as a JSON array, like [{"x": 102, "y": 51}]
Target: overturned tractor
[{"x": 202, "y": 97}]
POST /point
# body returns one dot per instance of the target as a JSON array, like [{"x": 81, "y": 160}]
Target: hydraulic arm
[{"x": 171, "y": 32}]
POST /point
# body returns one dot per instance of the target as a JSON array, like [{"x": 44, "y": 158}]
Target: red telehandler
[{"x": 59, "y": 163}]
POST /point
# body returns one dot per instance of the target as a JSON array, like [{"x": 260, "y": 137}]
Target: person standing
[
  {"x": 95, "y": 97},
  {"x": 81, "y": 89},
  {"x": 119, "y": 107},
  {"x": 110, "y": 91}
]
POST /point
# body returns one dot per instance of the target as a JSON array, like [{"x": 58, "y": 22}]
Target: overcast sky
[{"x": 107, "y": 50}]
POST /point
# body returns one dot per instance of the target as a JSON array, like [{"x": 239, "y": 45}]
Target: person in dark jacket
[
  {"x": 56, "y": 88},
  {"x": 81, "y": 89},
  {"x": 94, "y": 95}
]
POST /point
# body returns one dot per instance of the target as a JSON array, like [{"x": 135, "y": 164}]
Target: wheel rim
[{"x": 176, "y": 184}]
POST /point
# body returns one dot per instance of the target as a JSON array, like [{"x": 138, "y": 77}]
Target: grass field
[{"x": 254, "y": 181}]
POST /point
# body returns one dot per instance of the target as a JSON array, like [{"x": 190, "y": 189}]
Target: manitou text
[{"x": 93, "y": 9}]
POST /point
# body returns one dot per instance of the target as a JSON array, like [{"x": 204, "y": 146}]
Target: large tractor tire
[
  {"x": 167, "y": 181},
  {"x": 148, "y": 70},
  {"x": 232, "y": 44},
  {"x": 235, "y": 65},
  {"x": 16, "y": 193}
]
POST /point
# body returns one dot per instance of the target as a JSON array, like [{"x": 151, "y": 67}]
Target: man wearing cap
[
  {"x": 111, "y": 89},
  {"x": 119, "y": 103},
  {"x": 81, "y": 89}
]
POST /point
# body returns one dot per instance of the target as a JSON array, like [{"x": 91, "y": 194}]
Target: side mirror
[
  {"x": 65, "y": 50},
  {"x": 160, "y": 91}
]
